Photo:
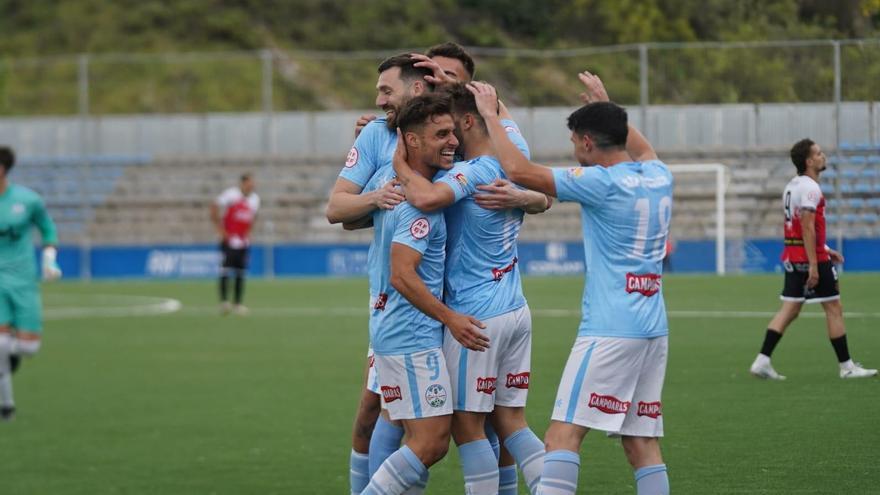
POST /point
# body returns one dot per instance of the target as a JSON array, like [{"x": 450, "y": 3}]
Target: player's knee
[
  {"x": 641, "y": 451},
  {"x": 436, "y": 450}
]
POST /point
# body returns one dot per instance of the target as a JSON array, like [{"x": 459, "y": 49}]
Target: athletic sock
[
  {"x": 359, "y": 467},
  {"x": 239, "y": 286},
  {"x": 6, "y": 348},
  {"x": 384, "y": 442},
  {"x": 771, "y": 338},
  {"x": 560, "y": 474},
  {"x": 652, "y": 480},
  {"x": 224, "y": 288},
  {"x": 399, "y": 472},
  {"x": 528, "y": 450},
  {"x": 841, "y": 349},
  {"x": 494, "y": 441},
  {"x": 507, "y": 481},
  {"x": 420, "y": 486},
  {"x": 480, "y": 467}
]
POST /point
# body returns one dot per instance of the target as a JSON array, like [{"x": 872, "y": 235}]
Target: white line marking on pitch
[{"x": 113, "y": 306}]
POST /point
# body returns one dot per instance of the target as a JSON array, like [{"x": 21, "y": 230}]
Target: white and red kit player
[
  {"x": 233, "y": 213},
  {"x": 810, "y": 276}
]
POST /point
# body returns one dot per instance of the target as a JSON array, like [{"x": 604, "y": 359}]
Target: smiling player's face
[
  {"x": 437, "y": 142},
  {"x": 391, "y": 93}
]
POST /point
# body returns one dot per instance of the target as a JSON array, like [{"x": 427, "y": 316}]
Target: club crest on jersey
[
  {"x": 646, "y": 284},
  {"x": 435, "y": 395},
  {"x": 420, "y": 228},
  {"x": 519, "y": 380},
  {"x": 391, "y": 394},
  {"x": 352, "y": 158},
  {"x": 486, "y": 385},
  {"x": 17, "y": 209},
  {"x": 608, "y": 404},
  {"x": 649, "y": 409},
  {"x": 575, "y": 172}
]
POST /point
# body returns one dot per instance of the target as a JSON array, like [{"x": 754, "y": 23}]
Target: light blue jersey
[
  {"x": 377, "y": 255},
  {"x": 396, "y": 326},
  {"x": 482, "y": 271},
  {"x": 625, "y": 213},
  {"x": 373, "y": 149}
]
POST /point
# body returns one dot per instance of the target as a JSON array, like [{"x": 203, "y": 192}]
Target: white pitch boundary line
[{"x": 124, "y": 306}]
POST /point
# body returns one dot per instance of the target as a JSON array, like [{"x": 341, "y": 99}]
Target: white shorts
[
  {"x": 614, "y": 385},
  {"x": 497, "y": 376},
  {"x": 372, "y": 378},
  {"x": 414, "y": 385}
]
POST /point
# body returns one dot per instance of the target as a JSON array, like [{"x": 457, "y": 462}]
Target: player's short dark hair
[
  {"x": 7, "y": 158},
  {"x": 416, "y": 112},
  {"x": 463, "y": 102},
  {"x": 799, "y": 154},
  {"x": 408, "y": 71},
  {"x": 246, "y": 177},
  {"x": 456, "y": 51},
  {"x": 604, "y": 121}
]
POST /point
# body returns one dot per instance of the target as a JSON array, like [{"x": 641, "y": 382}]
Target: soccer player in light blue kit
[
  {"x": 408, "y": 314},
  {"x": 365, "y": 185},
  {"x": 482, "y": 279},
  {"x": 614, "y": 375},
  {"x": 21, "y": 321}
]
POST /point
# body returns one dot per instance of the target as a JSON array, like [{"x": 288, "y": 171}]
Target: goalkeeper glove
[{"x": 51, "y": 270}]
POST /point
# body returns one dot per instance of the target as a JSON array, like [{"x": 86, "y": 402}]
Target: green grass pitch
[{"x": 194, "y": 403}]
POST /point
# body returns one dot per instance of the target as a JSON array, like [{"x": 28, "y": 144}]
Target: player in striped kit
[
  {"x": 810, "y": 276},
  {"x": 233, "y": 214},
  {"x": 614, "y": 375},
  {"x": 21, "y": 308}
]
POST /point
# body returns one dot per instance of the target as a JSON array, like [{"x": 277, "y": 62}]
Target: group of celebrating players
[{"x": 445, "y": 181}]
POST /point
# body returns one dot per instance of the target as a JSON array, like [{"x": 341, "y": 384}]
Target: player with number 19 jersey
[
  {"x": 625, "y": 213},
  {"x": 613, "y": 379}
]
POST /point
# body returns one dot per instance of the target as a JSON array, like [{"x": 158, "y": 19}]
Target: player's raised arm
[
  {"x": 420, "y": 192},
  {"x": 517, "y": 167},
  {"x": 637, "y": 145},
  {"x": 406, "y": 280}
]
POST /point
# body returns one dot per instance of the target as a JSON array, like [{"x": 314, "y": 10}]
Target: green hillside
[{"x": 41, "y": 40}]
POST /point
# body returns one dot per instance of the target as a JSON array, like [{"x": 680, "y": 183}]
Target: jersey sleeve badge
[
  {"x": 352, "y": 158},
  {"x": 420, "y": 228}
]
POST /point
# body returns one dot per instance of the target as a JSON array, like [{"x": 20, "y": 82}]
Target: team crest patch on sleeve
[
  {"x": 352, "y": 158},
  {"x": 575, "y": 172},
  {"x": 510, "y": 128},
  {"x": 420, "y": 228},
  {"x": 435, "y": 395}
]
